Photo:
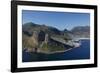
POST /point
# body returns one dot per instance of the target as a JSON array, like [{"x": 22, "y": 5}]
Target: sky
[{"x": 60, "y": 20}]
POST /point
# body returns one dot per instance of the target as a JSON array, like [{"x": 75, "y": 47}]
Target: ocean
[{"x": 78, "y": 53}]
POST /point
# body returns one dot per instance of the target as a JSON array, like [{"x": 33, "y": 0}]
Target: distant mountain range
[
  {"x": 43, "y": 38},
  {"x": 81, "y": 31}
]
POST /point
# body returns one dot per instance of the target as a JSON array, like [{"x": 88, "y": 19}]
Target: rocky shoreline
[{"x": 46, "y": 52}]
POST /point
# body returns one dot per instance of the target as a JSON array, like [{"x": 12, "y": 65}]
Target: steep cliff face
[
  {"x": 29, "y": 43},
  {"x": 42, "y": 38},
  {"x": 39, "y": 36}
]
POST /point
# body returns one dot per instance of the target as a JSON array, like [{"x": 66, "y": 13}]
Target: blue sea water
[{"x": 82, "y": 52}]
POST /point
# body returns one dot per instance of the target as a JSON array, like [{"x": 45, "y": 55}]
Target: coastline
[
  {"x": 55, "y": 51},
  {"x": 83, "y": 53},
  {"x": 83, "y": 38},
  {"x": 75, "y": 46},
  {"x": 58, "y": 51}
]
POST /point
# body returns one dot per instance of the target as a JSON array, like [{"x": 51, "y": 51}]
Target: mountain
[
  {"x": 43, "y": 38},
  {"x": 81, "y": 31},
  {"x": 47, "y": 39},
  {"x": 30, "y": 27}
]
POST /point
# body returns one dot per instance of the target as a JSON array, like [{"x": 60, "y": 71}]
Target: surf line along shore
[{"x": 73, "y": 43}]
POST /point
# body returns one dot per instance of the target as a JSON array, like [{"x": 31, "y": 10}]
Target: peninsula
[{"x": 46, "y": 39}]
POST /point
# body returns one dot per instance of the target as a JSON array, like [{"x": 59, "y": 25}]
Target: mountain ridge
[{"x": 51, "y": 38}]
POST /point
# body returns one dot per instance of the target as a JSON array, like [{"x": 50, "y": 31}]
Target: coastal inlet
[
  {"x": 77, "y": 53},
  {"x": 44, "y": 43}
]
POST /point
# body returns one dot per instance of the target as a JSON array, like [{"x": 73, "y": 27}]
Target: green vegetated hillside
[{"x": 46, "y": 39}]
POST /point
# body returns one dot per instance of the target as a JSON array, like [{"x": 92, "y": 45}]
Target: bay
[{"x": 82, "y": 52}]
